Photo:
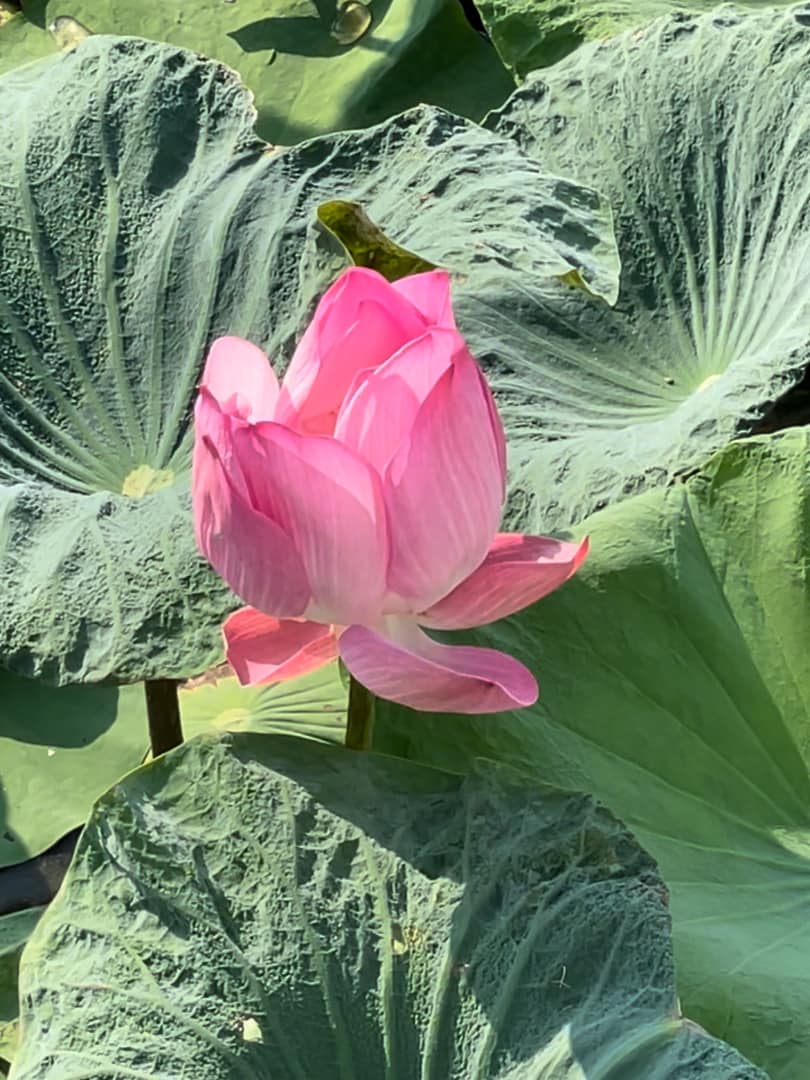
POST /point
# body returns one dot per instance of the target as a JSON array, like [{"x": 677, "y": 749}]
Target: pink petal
[
  {"x": 498, "y": 436},
  {"x": 360, "y": 321},
  {"x": 430, "y": 294},
  {"x": 330, "y": 503},
  {"x": 261, "y": 649},
  {"x": 517, "y": 571},
  {"x": 378, "y": 415},
  {"x": 253, "y": 554},
  {"x": 410, "y": 668},
  {"x": 444, "y": 489},
  {"x": 239, "y": 376}
]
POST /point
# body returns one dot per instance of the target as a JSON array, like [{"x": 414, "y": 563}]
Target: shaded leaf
[
  {"x": 366, "y": 244},
  {"x": 59, "y": 750},
  {"x": 309, "y": 71},
  {"x": 352, "y": 915}
]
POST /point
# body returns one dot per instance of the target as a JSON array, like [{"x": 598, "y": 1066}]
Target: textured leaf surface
[
  {"x": 139, "y": 219},
  {"x": 529, "y": 35},
  {"x": 305, "y": 82},
  {"x": 674, "y": 684},
  {"x": 60, "y": 748},
  {"x": 350, "y": 915},
  {"x": 698, "y": 131},
  {"x": 15, "y": 930}
]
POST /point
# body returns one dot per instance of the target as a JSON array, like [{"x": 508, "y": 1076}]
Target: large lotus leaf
[
  {"x": 60, "y": 748},
  {"x": 529, "y": 35},
  {"x": 15, "y": 930},
  {"x": 674, "y": 683},
  {"x": 698, "y": 130},
  {"x": 299, "y": 58},
  {"x": 260, "y": 906},
  {"x": 139, "y": 219}
]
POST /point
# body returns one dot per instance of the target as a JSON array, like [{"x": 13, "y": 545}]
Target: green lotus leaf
[
  {"x": 60, "y": 748},
  {"x": 674, "y": 684},
  {"x": 15, "y": 929},
  {"x": 307, "y": 69},
  {"x": 259, "y": 905},
  {"x": 140, "y": 218},
  {"x": 313, "y": 707},
  {"x": 529, "y": 35},
  {"x": 698, "y": 131}
]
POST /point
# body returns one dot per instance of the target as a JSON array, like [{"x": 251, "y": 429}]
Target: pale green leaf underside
[
  {"x": 313, "y": 707},
  {"x": 697, "y": 129},
  {"x": 348, "y": 915},
  {"x": 139, "y": 219},
  {"x": 674, "y": 684},
  {"x": 304, "y": 82}
]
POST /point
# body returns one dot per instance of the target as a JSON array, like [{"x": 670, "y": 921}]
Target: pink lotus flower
[{"x": 359, "y": 502}]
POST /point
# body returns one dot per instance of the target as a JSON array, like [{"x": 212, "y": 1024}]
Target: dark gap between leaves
[{"x": 36, "y": 881}]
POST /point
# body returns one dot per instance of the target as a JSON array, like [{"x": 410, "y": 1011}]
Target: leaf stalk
[
  {"x": 359, "y": 717},
  {"x": 163, "y": 711}
]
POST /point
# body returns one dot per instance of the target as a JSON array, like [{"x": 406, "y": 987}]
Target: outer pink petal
[
  {"x": 498, "y": 436},
  {"x": 261, "y": 649},
  {"x": 252, "y": 553},
  {"x": 517, "y": 571},
  {"x": 330, "y": 503},
  {"x": 422, "y": 674},
  {"x": 430, "y": 293},
  {"x": 444, "y": 489},
  {"x": 378, "y": 415},
  {"x": 239, "y": 376},
  {"x": 360, "y": 321}
]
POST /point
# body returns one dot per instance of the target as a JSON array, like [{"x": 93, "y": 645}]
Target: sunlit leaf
[
  {"x": 346, "y": 914},
  {"x": 697, "y": 129},
  {"x": 140, "y": 218}
]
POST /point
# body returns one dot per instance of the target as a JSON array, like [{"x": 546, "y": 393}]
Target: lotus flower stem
[
  {"x": 359, "y": 717},
  {"x": 163, "y": 710}
]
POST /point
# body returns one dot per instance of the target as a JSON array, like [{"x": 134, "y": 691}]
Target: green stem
[
  {"x": 163, "y": 710},
  {"x": 359, "y": 717}
]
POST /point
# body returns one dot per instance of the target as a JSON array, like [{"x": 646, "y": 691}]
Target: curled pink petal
[
  {"x": 360, "y": 322},
  {"x": 410, "y": 668},
  {"x": 377, "y": 416},
  {"x": 517, "y": 571},
  {"x": 430, "y": 294},
  {"x": 261, "y": 649},
  {"x": 444, "y": 489},
  {"x": 253, "y": 554},
  {"x": 329, "y": 502},
  {"x": 239, "y": 376}
]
